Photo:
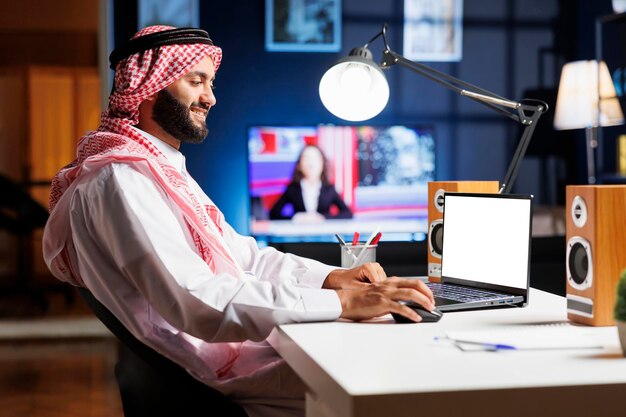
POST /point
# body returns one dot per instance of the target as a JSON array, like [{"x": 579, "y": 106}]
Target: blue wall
[
  {"x": 501, "y": 45},
  {"x": 255, "y": 87}
]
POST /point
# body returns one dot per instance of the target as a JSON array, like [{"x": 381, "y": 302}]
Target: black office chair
[
  {"x": 152, "y": 385},
  {"x": 21, "y": 215}
]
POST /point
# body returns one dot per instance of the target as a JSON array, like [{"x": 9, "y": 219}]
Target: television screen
[{"x": 308, "y": 183}]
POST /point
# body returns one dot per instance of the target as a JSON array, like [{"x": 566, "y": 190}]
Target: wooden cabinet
[{"x": 63, "y": 103}]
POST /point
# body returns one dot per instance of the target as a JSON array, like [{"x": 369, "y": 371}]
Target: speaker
[
  {"x": 436, "y": 190},
  {"x": 595, "y": 252}
]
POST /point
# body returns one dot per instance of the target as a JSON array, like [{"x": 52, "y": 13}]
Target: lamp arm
[
  {"x": 391, "y": 57},
  {"x": 480, "y": 95},
  {"x": 520, "y": 151},
  {"x": 484, "y": 97},
  {"x": 489, "y": 99}
]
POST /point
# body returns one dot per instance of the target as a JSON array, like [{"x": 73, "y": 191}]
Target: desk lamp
[
  {"x": 587, "y": 99},
  {"x": 356, "y": 89}
]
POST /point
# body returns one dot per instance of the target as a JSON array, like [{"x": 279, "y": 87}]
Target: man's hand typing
[
  {"x": 376, "y": 299},
  {"x": 339, "y": 279}
]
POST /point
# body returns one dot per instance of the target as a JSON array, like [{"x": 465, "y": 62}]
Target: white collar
[{"x": 173, "y": 155}]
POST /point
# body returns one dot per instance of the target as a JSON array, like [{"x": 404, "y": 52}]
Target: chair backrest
[
  {"x": 122, "y": 333},
  {"x": 20, "y": 214},
  {"x": 151, "y": 384}
]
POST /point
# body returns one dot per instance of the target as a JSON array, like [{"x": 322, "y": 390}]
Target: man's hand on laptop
[{"x": 380, "y": 298}]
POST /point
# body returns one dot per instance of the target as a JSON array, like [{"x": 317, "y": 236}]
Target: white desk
[{"x": 385, "y": 369}]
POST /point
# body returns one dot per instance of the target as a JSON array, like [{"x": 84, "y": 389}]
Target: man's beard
[{"x": 173, "y": 116}]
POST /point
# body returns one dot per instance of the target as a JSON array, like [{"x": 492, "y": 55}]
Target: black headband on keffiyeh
[
  {"x": 178, "y": 36},
  {"x": 155, "y": 62}
]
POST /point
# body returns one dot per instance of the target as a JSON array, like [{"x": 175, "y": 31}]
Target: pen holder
[{"x": 355, "y": 255}]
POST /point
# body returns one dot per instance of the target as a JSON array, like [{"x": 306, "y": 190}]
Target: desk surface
[{"x": 371, "y": 368}]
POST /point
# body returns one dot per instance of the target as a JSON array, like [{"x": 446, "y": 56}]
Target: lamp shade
[
  {"x": 355, "y": 87},
  {"x": 580, "y": 90}
]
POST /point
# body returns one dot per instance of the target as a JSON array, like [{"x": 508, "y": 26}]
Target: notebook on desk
[{"x": 486, "y": 251}]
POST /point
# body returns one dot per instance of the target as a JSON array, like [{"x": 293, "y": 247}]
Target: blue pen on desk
[{"x": 492, "y": 347}]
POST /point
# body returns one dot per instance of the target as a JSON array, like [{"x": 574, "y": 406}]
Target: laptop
[{"x": 486, "y": 251}]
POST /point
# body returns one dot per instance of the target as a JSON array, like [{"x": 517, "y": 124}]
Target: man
[{"x": 130, "y": 224}]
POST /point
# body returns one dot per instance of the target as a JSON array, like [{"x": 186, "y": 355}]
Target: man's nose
[{"x": 208, "y": 97}]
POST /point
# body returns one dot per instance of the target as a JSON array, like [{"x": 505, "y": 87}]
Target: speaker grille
[
  {"x": 579, "y": 263},
  {"x": 435, "y": 238}
]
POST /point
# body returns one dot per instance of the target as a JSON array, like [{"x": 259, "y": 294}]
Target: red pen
[
  {"x": 355, "y": 239},
  {"x": 376, "y": 238}
]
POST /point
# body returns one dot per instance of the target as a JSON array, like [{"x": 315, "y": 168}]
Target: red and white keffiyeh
[{"x": 136, "y": 78}]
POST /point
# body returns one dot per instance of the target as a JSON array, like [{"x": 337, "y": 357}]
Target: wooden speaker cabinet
[
  {"x": 436, "y": 190},
  {"x": 596, "y": 251}
]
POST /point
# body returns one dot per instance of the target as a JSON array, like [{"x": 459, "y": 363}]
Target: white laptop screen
[{"x": 486, "y": 239}]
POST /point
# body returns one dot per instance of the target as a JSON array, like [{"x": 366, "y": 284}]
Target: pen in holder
[{"x": 359, "y": 254}]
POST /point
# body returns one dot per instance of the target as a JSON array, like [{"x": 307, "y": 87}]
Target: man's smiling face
[{"x": 181, "y": 109}]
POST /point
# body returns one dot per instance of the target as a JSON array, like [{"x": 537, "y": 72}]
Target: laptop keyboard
[{"x": 462, "y": 294}]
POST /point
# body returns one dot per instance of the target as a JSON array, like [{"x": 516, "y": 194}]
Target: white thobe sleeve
[{"x": 122, "y": 223}]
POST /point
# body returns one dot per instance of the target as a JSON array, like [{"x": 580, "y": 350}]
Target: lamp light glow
[
  {"x": 587, "y": 99},
  {"x": 356, "y": 79},
  {"x": 584, "y": 100},
  {"x": 355, "y": 88}
]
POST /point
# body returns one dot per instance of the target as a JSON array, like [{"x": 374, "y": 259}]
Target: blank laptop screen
[{"x": 486, "y": 239}]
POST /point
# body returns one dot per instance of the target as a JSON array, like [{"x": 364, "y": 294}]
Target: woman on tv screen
[{"x": 309, "y": 196}]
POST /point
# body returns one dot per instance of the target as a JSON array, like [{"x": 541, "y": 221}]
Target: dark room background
[{"x": 514, "y": 48}]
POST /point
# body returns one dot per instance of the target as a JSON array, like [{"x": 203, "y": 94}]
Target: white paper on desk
[{"x": 563, "y": 336}]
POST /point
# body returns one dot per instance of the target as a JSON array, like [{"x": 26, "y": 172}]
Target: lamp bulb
[{"x": 356, "y": 79}]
